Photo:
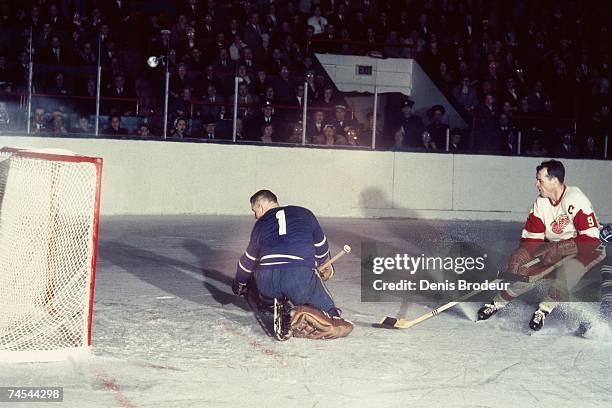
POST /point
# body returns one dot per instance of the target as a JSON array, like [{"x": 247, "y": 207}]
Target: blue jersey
[{"x": 284, "y": 237}]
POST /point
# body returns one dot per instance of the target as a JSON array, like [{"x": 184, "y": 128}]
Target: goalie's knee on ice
[{"x": 311, "y": 323}]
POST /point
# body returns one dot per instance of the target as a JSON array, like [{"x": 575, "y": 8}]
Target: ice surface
[{"x": 169, "y": 333}]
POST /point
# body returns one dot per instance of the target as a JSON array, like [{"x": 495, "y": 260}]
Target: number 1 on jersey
[{"x": 282, "y": 223}]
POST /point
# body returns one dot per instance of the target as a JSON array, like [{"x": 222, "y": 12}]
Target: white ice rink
[{"x": 168, "y": 332}]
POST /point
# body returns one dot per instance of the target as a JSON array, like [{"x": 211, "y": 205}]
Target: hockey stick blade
[{"x": 393, "y": 323}]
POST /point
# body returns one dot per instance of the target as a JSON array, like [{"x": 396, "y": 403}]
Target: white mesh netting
[{"x": 48, "y": 210}]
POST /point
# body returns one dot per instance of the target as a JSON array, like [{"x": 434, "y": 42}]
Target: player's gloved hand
[
  {"x": 605, "y": 235},
  {"x": 326, "y": 273},
  {"x": 555, "y": 251},
  {"x": 518, "y": 258},
  {"x": 239, "y": 288}
]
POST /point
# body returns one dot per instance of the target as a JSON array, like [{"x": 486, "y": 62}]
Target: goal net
[{"x": 49, "y": 207}]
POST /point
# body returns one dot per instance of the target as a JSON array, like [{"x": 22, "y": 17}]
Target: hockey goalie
[
  {"x": 286, "y": 245},
  {"x": 560, "y": 238}
]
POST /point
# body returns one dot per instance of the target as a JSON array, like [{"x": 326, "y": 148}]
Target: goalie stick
[
  {"x": 345, "y": 250},
  {"x": 398, "y": 323}
]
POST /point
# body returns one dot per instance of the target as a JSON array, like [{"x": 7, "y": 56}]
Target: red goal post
[{"x": 49, "y": 217}]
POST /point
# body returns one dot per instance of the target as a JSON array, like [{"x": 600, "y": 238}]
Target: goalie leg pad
[{"x": 311, "y": 323}]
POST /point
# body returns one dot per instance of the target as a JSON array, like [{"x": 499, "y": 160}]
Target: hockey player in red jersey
[{"x": 561, "y": 223}]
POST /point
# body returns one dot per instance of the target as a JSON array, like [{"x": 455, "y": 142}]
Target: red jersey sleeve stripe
[{"x": 534, "y": 225}]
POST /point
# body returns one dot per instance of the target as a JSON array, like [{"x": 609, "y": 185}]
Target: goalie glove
[
  {"x": 326, "y": 273},
  {"x": 555, "y": 251},
  {"x": 311, "y": 323},
  {"x": 239, "y": 288}
]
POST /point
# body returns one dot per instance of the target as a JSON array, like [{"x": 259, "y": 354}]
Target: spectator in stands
[
  {"x": 143, "y": 130},
  {"x": 267, "y": 133},
  {"x": 351, "y": 136},
  {"x": 566, "y": 147},
  {"x": 57, "y": 124},
  {"x": 315, "y": 126},
  {"x": 253, "y": 31},
  {"x": 436, "y": 128},
  {"x": 269, "y": 95},
  {"x": 248, "y": 60},
  {"x": 296, "y": 134},
  {"x": 194, "y": 61},
  {"x": 456, "y": 141},
  {"x": 341, "y": 122},
  {"x": 120, "y": 89},
  {"x": 6, "y": 121},
  {"x": 55, "y": 54},
  {"x": 427, "y": 141},
  {"x": 260, "y": 83},
  {"x": 317, "y": 21},
  {"x": 212, "y": 106},
  {"x": 179, "y": 81},
  {"x": 86, "y": 56},
  {"x": 445, "y": 77},
  {"x": 182, "y": 107},
  {"x": 39, "y": 122},
  {"x": 114, "y": 128},
  {"x": 83, "y": 126},
  {"x": 328, "y": 101},
  {"x": 180, "y": 129},
  {"x": 267, "y": 117},
  {"x": 536, "y": 148},
  {"x": 591, "y": 150},
  {"x": 211, "y": 130},
  {"x": 365, "y": 135},
  {"x": 411, "y": 124},
  {"x": 243, "y": 75},
  {"x": 510, "y": 93},
  {"x": 487, "y": 122},
  {"x": 537, "y": 98},
  {"x": 58, "y": 87},
  {"x": 398, "y": 139},
  {"x": 465, "y": 94},
  {"x": 284, "y": 86},
  {"x": 510, "y": 144},
  {"x": 247, "y": 102},
  {"x": 236, "y": 49}
]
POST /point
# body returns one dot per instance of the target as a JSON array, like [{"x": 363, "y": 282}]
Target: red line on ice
[{"x": 110, "y": 385}]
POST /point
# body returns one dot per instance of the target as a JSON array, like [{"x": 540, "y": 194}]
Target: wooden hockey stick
[
  {"x": 345, "y": 250},
  {"x": 396, "y": 323}
]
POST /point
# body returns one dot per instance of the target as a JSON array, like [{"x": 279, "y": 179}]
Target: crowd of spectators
[{"x": 517, "y": 71}]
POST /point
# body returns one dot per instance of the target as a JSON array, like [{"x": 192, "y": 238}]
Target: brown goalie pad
[{"x": 311, "y": 323}]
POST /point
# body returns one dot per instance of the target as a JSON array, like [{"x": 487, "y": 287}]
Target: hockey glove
[
  {"x": 605, "y": 235},
  {"x": 519, "y": 258},
  {"x": 239, "y": 288},
  {"x": 326, "y": 273},
  {"x": 555, "y": 251}
]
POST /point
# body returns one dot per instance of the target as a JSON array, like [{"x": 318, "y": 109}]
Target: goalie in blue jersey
[{"x": 286, "y": 245}]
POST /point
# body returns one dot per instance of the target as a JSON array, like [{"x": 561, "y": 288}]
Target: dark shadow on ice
[{"x": 171, "y": 275}]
